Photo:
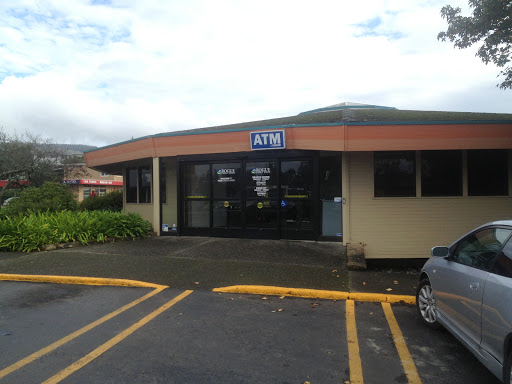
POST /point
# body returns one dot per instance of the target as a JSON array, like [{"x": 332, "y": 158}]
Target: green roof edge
[{"x": 327, "y": 109}]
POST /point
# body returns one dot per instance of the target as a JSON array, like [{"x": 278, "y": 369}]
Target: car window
[
  {"x": 480, "y": 248},
  {"x": 503, "y": 265}
]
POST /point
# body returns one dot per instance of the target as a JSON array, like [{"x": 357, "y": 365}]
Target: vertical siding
[
  {"x": 409, "y": 227},
  {"x": 170, "y": 208}
]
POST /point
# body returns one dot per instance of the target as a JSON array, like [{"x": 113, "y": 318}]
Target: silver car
[{"x": 467, "y": 289}]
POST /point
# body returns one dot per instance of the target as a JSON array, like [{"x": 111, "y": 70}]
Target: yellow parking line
[
  {"x": 81, "y": 331},
  {"x": 316, "y": 293},
  {"x": 354, "y": 358},
  {"x": 403, "y": 351},
  {"x": 78, "y": 280},
  {"x": 109, "y": 344}
]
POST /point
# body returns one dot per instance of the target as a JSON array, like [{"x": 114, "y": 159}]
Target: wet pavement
[{"x": 206, "y": 263}]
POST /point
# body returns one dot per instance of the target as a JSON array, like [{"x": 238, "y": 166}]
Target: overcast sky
[{"x": 103, "y": 71}]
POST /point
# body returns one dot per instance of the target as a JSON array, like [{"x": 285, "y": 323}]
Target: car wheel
[{"x": 426, "y": 304}]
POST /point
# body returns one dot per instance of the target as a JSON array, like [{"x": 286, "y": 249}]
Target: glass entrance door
[
  {"x": 296, "y": 199},
  {"x": 226, "y": 202},
  {"x": 269, "y": 197},
  {"x": 261, "y": 204}
]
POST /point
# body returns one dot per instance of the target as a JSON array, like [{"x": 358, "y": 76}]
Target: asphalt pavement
[{"x": 206, "y": 263}]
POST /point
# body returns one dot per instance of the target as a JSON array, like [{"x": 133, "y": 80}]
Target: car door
[
  {"x": 496, "y": 309},
  {"x": 461, "y": 280}
]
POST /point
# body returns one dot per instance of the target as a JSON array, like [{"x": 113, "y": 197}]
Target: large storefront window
[
  {"x": 138, "y": 184},
  {"x": 145, "y": 185},
  {"x": 488, "y": 172},
  {"x": 394, "y": 174},
  {"x": 131, "y": 185},
  {"x": 441, "y": 173}
]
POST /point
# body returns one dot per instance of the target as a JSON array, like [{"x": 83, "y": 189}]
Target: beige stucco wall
[
  {"x": 409, "y": 227},
  {"x": 170, "y": 208}
]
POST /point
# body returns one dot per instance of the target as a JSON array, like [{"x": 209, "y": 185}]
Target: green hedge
[
  {"x": 112, "y": 202},
  {"x": 35, "y": 230},
  {"x": 52, "y": 197}
]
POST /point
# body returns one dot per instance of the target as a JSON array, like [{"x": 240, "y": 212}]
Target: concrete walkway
[{"x": 207, "y": 263}]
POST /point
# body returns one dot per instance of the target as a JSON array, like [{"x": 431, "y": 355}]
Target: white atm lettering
[
  {"x": 274, "y": 139},
  {"x": 268, "y": 140}
]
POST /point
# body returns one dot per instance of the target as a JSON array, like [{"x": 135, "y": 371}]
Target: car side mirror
[{"x": 440, "y": 252}]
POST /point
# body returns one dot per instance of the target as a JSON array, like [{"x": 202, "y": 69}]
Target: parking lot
[{"x": 52, "y": 333}]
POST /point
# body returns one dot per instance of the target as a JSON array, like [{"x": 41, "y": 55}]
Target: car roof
[{"x": 500, "y": 222}]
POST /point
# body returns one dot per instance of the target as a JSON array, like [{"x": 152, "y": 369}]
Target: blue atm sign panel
[{"x": 267, "y": 140}]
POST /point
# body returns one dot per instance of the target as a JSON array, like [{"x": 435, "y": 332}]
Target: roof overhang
[{"x": 348, "y": 137}]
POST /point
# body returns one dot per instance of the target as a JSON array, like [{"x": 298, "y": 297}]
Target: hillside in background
[{"x": 75, "y": 147}]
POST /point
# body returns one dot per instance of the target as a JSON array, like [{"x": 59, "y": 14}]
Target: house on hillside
[{"x": 396, "y": 181}]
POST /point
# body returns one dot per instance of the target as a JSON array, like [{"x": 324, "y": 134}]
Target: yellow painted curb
[
  {"x": 317, "y": 294},
  {"x": 79, "y": 280}
]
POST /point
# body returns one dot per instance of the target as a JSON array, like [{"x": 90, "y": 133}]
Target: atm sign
[{"x": 267, "y": 140}]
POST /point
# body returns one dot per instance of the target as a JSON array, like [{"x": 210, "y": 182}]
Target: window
[
  {"x": 479, "y": 249},
  {"x": 394, "y": 174},
  {"x": 131, "y": 185},
  {"x": 144, "y": 185},
  {"x": 138, "y": 185},
  {"x": 487, "y": 172},
  {"x": 163, "y": 183},
  {"x": 196, "y": 193},
  {"x": 196, "y": 178},
  {"x": 102, "y": 192},
  {"x": 227, "y": 180},
  {"x": 104, "y": 174},
  {"x": 329, "y": 165},
  {"x": 503, "y": 265},
  {"x": 87, "y": 192},
  {"x": 441, "y": 173}
]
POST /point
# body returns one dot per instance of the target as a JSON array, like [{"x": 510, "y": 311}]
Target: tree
[
  {"x": 490, "y": 24},
  {"x": 53, "y": 197},
  {"x": 27, "y": 159}
]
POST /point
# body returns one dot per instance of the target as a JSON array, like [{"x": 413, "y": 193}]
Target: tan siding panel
[
  {"x": 144, "y": 210},
  {"x": 170, "y": 208},
  {"x": 409, "y": 227}
]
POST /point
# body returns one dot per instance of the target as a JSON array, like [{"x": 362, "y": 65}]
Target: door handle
[{"x": 474, "y": 286}]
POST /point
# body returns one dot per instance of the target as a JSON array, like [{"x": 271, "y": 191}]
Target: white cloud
[{"x": 100, "y": 74}]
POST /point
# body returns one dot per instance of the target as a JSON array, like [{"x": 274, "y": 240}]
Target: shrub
[
  {"x": 52, "y": 197},
  {"x": 35, "y": 230},
  {"x": 112, "y": 202},
  {"x": 8, "y": 194}
]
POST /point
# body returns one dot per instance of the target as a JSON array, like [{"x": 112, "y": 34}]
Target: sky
[{"x": 99, "y": 72}]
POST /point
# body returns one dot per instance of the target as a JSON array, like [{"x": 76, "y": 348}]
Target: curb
[
  {"x": 317, "y": 294},
  {"x": 79, "y": 280}
]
